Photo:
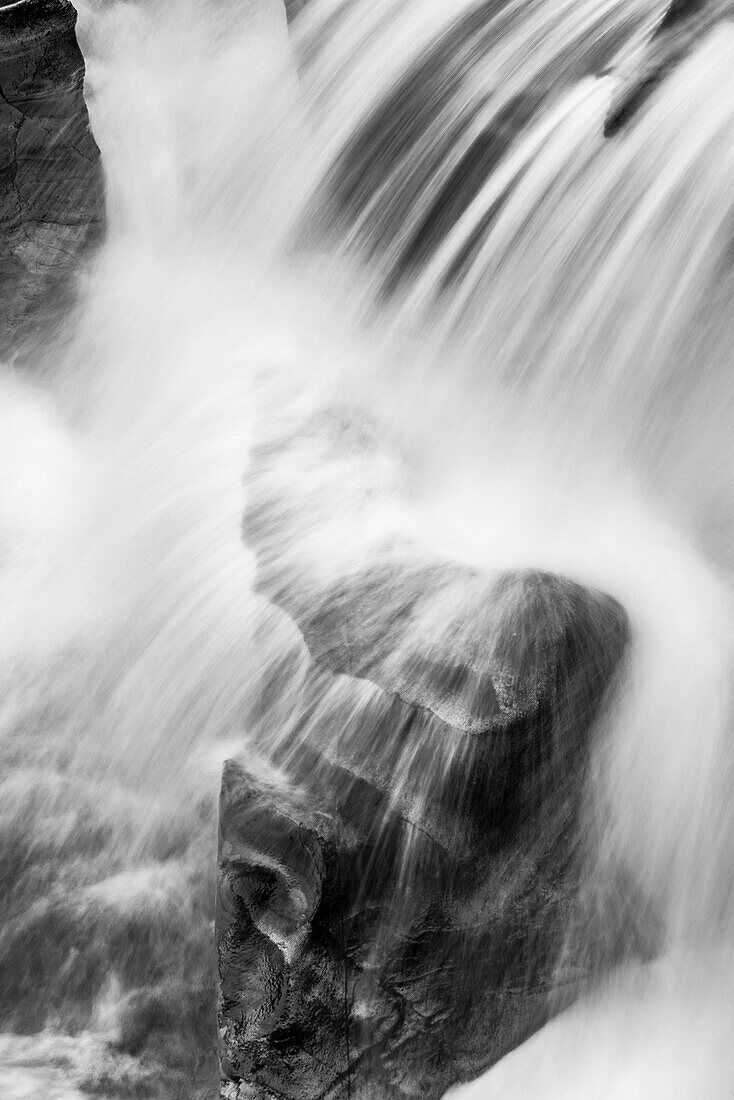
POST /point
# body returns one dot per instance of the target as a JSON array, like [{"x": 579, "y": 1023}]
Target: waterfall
[{"x": 405, "y": 211}]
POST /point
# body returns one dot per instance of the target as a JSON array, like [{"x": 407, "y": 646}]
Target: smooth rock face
[
  {"x": 51, "y": 204},
  {"x": 404, "y": 892}
]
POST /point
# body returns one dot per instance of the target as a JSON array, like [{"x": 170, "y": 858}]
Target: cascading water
[{"x": 407, "y": 208}]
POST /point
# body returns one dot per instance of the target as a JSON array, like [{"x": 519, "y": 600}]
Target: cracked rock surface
[
  {"x": 403, "y": 897},
  {"x": 51, "y": 197}
]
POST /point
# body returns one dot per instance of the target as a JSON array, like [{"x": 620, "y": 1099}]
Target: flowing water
[{"x": 406, "y": 207}]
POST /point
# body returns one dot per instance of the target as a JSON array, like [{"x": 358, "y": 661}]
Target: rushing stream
[{"x": 407, "y": 208}]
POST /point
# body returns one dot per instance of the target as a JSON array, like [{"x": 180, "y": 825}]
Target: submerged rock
[
  {"x": 430, "y": 134},
  {"x": 294, "y": 8},
  {"x": 682, "y": 27},
  {"x": 51, "y": 203}
]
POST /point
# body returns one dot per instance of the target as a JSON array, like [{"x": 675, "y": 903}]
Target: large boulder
[
  {"x": 410, "y": 904},
  {"x": 51, "y": 191},
  {"x": 406, "y": 888}
]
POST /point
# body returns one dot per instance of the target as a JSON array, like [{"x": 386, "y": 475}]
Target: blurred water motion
[{"x": 407, "y": 208}]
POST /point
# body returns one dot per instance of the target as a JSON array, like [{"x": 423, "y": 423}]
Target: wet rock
[
  {"x": 51, "y": 192},
  {"x": 684, "y": 24},
  {"x": 407, "y": 895},
  {"x": 294, "y": 8},
  {"x": 413, "y": 907}
]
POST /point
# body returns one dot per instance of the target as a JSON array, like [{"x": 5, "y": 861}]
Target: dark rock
[
  {"x": 410, "y": 899},
  {"x": 51, "y": 197},
  {"x": 680, "y": 30},
  {"x": 294, "y": 8}
]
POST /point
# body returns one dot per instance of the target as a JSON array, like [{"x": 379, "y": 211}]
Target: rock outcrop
[
  {"x": 410, "y": 898},
  {"x": 51, "y": 203}
]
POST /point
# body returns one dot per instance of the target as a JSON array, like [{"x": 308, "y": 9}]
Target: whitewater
[{"x": 545, "y": 363}]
